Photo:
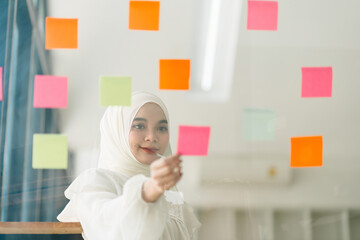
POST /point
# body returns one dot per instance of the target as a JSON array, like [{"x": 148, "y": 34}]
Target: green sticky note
[
  {"x": 115, "y": 91},
  {"x": 258, "y": 125},
  {"x": 50, "y": 151}
]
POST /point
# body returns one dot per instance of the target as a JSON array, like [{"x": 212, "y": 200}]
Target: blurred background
[{"x": 244, "y": 188}]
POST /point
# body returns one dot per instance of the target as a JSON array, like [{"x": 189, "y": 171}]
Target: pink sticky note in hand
[
  {"x": 316, "y": 82},
  {"x": 193, "y": 140},
  {"x": 50, "y": 91},
  {"x": 1, "y": 84},
  {"x": 262, "y": 15}
]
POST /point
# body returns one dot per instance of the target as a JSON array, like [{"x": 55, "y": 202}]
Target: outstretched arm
[{"x": 165, "y": 173}]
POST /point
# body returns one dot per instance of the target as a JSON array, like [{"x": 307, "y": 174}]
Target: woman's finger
[
  {"x": 166, "y": 161},
  {"x": 165, "y": 166},
  {"x": 171, "y": 177},
  {"x": 166, "y": 170}
]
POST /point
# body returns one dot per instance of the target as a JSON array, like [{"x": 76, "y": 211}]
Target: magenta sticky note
[
  {"x": 262, "y": 15},
  {"x": 50, "y": 91},
  {"x": 316, "y": 82},
  {"x": 193, "y": 140},
  {"x": 1, "y": 83}
]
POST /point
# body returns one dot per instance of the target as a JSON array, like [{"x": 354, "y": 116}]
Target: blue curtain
[{"x": 26, "y": 194}]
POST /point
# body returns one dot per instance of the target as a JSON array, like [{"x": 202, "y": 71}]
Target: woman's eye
[
  {"x": 163, "y": 129},
  {"x": 138, "y": 126}
]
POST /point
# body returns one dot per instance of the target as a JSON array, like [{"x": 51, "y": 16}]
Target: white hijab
[{"x": 115, "y": 153}]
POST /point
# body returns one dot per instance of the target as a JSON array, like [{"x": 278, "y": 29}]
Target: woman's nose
[{"x": 151, "y": 136}]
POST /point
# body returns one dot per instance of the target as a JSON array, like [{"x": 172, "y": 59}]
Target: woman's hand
[{"x": 165, "y": 173}]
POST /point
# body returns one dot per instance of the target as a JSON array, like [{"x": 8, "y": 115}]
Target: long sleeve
[
  {"x": 192, "y": 224},
  {"x": 110, "y": 208}
]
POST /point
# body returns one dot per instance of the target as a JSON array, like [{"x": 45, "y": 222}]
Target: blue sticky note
[{"x": 258, "y": 125}]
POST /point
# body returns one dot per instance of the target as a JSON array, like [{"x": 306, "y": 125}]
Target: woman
[{"x": 125, "y": 197}]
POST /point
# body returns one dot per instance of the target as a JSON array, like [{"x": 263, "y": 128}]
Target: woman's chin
[{"x": 148, "y": 159}]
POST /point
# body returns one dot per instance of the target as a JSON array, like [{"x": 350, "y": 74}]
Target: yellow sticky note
[
  {"x": 61, "y": 33},
  {"x": 174, "y": 74},
  {"x": 306, "y": 151},
  {"x": 115, "y": 91},
  {"x": 144, "y": 15},
  {"x": 50, "y": 151}
]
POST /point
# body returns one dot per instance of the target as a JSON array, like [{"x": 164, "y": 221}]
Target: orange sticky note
[
  {"x": 61, "y": 33},
  {"x": 306, "y": 151},
  {"x": 144, "y": 15},
  {"x": 174, "y": 74}
]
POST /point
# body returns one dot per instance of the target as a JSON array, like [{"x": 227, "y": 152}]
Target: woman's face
[{"x": 149, "y": 133}]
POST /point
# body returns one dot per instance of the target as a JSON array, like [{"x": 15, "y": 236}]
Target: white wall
[
  {"x": 267, "y": 75},
  {"x": 107, "y": 47}
]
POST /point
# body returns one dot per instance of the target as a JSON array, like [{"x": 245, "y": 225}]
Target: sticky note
[
  {"x": 61, "y": 33},
  {"x": 174, "y": 74},
  {"x": 316, "y": 82},
  {"x": 50, "y": 151},
  {"x": 262, "y": 15},
  {"x": 115, "y": 91},
  {"x": 193, "y": 140},
  {"x": 306, "y": 151},
  {"x": 258, "y": 125},
  {"x": 144, "y": 15},
  {"x": 50, "y": 91},
  {"x": 1, "y": 83}
]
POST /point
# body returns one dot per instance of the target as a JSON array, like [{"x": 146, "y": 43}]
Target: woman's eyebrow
[
  {"x": 163, "y": 121},
  {"x": 140, "y": 119}
]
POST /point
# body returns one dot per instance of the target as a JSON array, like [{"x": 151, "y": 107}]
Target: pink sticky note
[
  {"x": 193, "y": 140},
  {"x": 262, "y": 15},
  {"x": 316, "y": 82},
  {"x": 1, "y": 84},
  {"x": 50, "y": 91}
]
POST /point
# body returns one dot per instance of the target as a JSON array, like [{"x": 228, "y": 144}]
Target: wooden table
[{"x": 40, "y": 228}]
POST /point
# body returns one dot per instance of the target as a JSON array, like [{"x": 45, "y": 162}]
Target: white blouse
[{"x": 110, "y": 206}]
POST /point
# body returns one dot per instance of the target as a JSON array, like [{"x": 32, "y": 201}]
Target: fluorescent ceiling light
[{"x": 210, "y": 49}]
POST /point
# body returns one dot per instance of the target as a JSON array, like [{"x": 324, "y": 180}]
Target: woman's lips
[{"x": 149, "y": 150}]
